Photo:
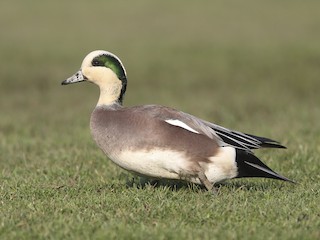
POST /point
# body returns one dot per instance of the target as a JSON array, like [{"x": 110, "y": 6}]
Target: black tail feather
[
  {"x": 246, "y": 141},
  {"x": 266, "y": 142},
  {"x": 251, "y": 166}
]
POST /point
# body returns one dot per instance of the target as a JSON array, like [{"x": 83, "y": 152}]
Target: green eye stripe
[{"x": 110, "y": 62}]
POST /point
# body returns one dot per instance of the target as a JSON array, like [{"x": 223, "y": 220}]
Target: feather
[{"x": 251, "y": 166}]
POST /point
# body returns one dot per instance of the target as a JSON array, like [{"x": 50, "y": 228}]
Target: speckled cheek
[{"x": 87, "y": 72}]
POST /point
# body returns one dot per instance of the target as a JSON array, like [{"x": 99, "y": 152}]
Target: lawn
[{"x": 253, "y": 66}]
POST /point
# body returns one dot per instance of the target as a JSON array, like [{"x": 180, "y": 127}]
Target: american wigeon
[{"x": 161, "y": 142}]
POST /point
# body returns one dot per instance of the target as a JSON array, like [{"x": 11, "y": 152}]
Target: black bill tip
[{"x": 64, "y": 82}]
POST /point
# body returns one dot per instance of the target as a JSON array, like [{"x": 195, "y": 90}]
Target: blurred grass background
[{"x": 253, "y": 66}]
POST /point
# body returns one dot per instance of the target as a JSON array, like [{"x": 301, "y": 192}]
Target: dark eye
[{"x": 95, "y": 63}]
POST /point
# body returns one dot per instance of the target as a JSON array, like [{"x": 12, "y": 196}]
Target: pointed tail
[
  {"x": 266, "y": 142},
  {"x": 251, "y": 166}
]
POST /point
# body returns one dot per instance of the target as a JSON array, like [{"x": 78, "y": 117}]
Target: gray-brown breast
[{"x": 144, "y": 128}]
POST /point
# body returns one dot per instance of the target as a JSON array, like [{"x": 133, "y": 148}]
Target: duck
[{"x": 160, "y": 142}]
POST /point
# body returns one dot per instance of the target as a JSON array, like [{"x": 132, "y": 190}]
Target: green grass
[{"x": 251, "y": 66}]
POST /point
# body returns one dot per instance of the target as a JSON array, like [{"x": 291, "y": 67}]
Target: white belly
[
  {"x": 175, "y": 165},
  {"x": 155, "y": 163}
]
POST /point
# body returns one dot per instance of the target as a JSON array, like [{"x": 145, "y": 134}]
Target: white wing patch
[{"x": 178, "y": 123}]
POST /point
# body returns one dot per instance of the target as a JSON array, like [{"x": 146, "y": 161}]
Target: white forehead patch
[{"x": 178, "y": 123}]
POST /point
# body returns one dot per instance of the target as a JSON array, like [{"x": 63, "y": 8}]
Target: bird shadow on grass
[
  {"x": 174, "y": 185},
  {"x": 178, "y": 185}
]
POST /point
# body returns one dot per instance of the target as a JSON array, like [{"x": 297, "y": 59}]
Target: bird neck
[{"x": 109, "y": 93}]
